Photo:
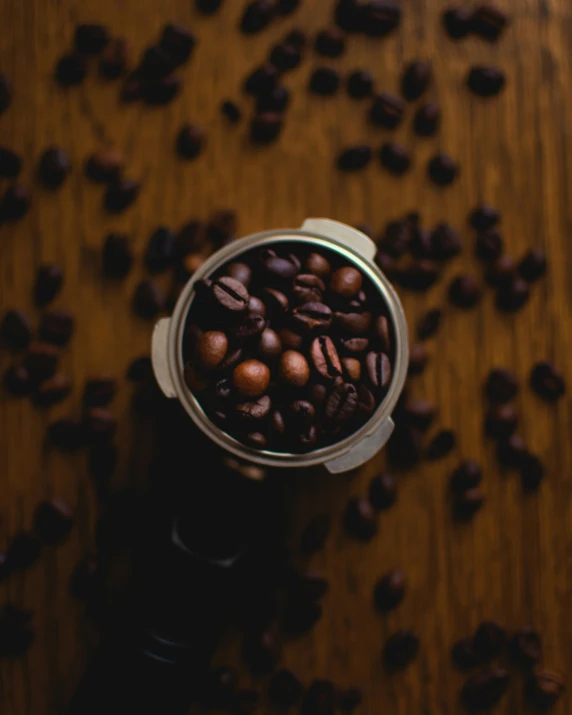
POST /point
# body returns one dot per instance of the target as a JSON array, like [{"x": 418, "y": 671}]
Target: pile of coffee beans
[{"x": 288, "y": 349}]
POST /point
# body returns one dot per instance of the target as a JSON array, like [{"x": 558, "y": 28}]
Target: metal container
[{"x": 353, "y": 451}]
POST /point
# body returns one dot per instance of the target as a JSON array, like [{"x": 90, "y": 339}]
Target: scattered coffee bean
[
  {"x": 442, "y": 170},
  {"x": 117, "y": 256},
  {"x": 161, "y": 91},
  {"x": 265, "y": 128},
  {"x": 219, "y": 688},
  {"x": 489, "y": 246},
  {"x": 315, "y": 534},
  {"x": 190, "y": 141},
  {"x": 275, "y": 101},
  {"x": 533, "y": 265},
  {"x": 501, "y": 385},
  {"x": 99, "y": 391},
  {"x": 531, "y": 472},
  {"x": 544, "y": 687},
  {"x": 441, "y": 444},
  {"x": 104, "y": 165},
  {"x": 501, "y": 272},
  {"x": 100, "y": 425},
  {"x": 114, "y": 59},
  {"x": 360, "y": 84},
  {"x": 120, "y": 194},
  {"x": 501, "y": 421},
  {"x": 387, "y": 110},
  {"x": 208, "y": 7},
  {"x": 91, "y": 39},
  {"x": 467, "y": 503},
  {"x": 463, "y": 654},
  {"x": 140, "y": 370},
  {"x": 160, "y": 252},
  {"x": 178, "y": 42},
  {"x": 457, "y": 22},
  {"x": 15, "y": 203},
  {"x": 489, "y": 640},
  {"x": 67, "y": 434},
  {"x": 17, "y": 380},
  {"x": 484, "y": 217},
  {"x": 148, "y": 300},
  {"x": 355, "y": 158},
  {"x": 350, "y": 699},
  {"x": 547, "y": 381},
  {"x": 415, "y": 80},
  {"x": 395, "y": 158},
  {"x": 10, "y": 163},
  {"x": 488, "y": 22},
  {"x": 41, "y": 361},
  {"x": 445, "y": 242},
  {"x": 53, "y": 522},
  {"x": 512, "y": 451},
  {"x": 380, "y": 17},
  {"x": 324, "y": 81},
  {"x": 285, "y": 57},
  {"x": 56, "y": 327},
  {"x": 52, "y": 391},
  {"x": 261, "y": 81},
  {"x": 382, "y": 492},
  {"x": 483, "y": 690},
  {"x": 231, "y": 111},
  {"x": 307, "y": 585},
  {"x": 427, "y": 119},
  {"x": 132, "y": 89},
  {"x": 418, "y": 414},
  {"x": 526, "y": 647},
  {"x": 404, "y": 447},
  {"x": 486, "y": 80},
  {"x": 464, "y": 291},
  {"x": 319, "y": 699},
  {"x": 49, "y": 280},
  {"x": 466, "y": 476},
  {"x": 222, "y": 227},
  {"x": 400, "y": 649},
  {"x": 513, "y": 296},
  {"x": 155, "y": 64},
  {"x": 15, "y": 330},
  {"x": 360, "y": 519},
  {"x": 330, "y": 42},
  {"x": 256, "y": 16},
  {"x": 287, "y": 7},
  {"x": 418, "y": 358},
  {"x": 262, "y": 652},
  {"x": 5, "y": 93},
  {"x": 70, "y": 70},
  {"x": 428, "y": 324},
  {"x": 389, "y": 591}
]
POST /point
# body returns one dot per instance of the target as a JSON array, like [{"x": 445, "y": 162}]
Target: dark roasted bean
[
  {"x": 211, "y": 349},
  {"x": 104, "y": 165},
  {"x": 360, "y": 84},
  {"x": 275, "y": 101},
  {"x": 383, "y": 491},
  {"x": 488, "y": 22},
  {"x": 330, "y": 42},
  {"x": 445, "y": 242},
  {"x": 457, "y": 22},
  {"x": 418, "y": 413},
  {"x": 312, "y": 317},
  {"x": 360, "y": 519},
  {"x": 54, "y": 167},
  {"x": 140, "y": 370},
  {"x": 485, "y": 80},
  {"x": 120, "y": 194},
  {"x": 502, "y": 272},
  {"x": 501, "y": 385},
  {"x": 489, "y": 246},
  {"x": 355, "y": 158},
  {"x": 208, "y": 7},
  {"x": 463, "y": 654},
  {"x": 114, "y": 59},
  {"x": 531, "y": 472},
  {"x": 53, "y": 521},
  {"x": 23, "y": 551},
  {"x": 350, "y": 699},
  {"x": 100, "y": 425},
  {"x": 346, "y": 282},
  {"x": 85, "y": 580},
  {"x": 15, "y": 203},
  {"x": 265, "y": 128},
  {"x": 404, "y": 447},
  {"x": 287, "y": 7},
  {"x": 155, "y": 63},
  {"x": 230, "y": 294},
  {"x": 90, "y": 39},
  {"x": 308, "y": 288},
  {"x": 442, "y": 169},
  {"x": 428, "y": 324},
  {"x": 513, "y": 296},
  {"x": 15, "y": 330},
  {"x": 427, "y": 119},
  {"x": 467, "y": 503},
  {"x": 512, "y": 452},
  {"x": 161, "y": 91},
  {"x": 56, "y": 327},
  {"x": 395, "y": 158},
  {"x": 256, "y": 16},
  {"x": 262, "y": 80},
  {"x": 222, "y": 227},
  {"x": 533, "y": 265},
  {"x": 99, "y": 391},
  {"x": 49, "y": 280},
  {"x": 67, "y": 434},
  {"x": 117, "y": 256},
  {"x": 341, "y": 404},
  {"x": 319, "y": 699},
  {"x": 190, "y": 141},
  {"x": 389, "y": 591},
  {"x": 10, "y": 163},
  {"x": 387, "y": 110},
  {"x": 148, "y": 300},
  {"x": 501, "y": 421},
  {"x": 70, "y": 70},
  {"x": 262, "y": 652},
  {"x": 484, "y": 217},
  {"x": 325, "y": 357},
  {"x": 324, "y": 81},
  {"x": 483, "y": 690},
  {"x": 526, "y": 647},
  {"x": 356, "y": 346},
  {"x": 380, "y": 17},
  {"x": 489, "y": 640},
  {"x": 547, "y": 381},
  {"x": 464, "y": 291},
  {"x": 51, "y": 391},
  {"x": 400, "y": 649},
  {"x": 378, "y": 370},
  {"x": 418, "y": 358},
  {"x": 415, "y": 80},
  {"x": 544, "y": 687},
  {"x": 17, "y": 380},
  {"x": 41, "y": 361},
  {"x": 102, "y": 460},
  {"x": 178, "y": 42},
  {"x": 160, "y": 251},
  {"x": 231, "y": 111},
  {"x": 467, "y": 475},
  {"x": 441, "y": 444}
]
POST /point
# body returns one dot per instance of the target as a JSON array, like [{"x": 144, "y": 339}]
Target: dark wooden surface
[{"x": 514, "y": 561}]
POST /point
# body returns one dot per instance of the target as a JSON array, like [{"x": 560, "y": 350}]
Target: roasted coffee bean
[
  {"x": 485, "y": 80},
  {"x": 355, "y": 346},
  {"x": 161, "y": 91},
  {"x": 265, "y": 128},
  {"x": 324, "y": 81},
  {"x": 49, "y": 280},
  {"x": 531, "y": 472},
  {"x": 382, "y": 492},
  {"x": 140, "y": 370},
  {"x": 457, "y": 22},
  {"x": 463, "y": 654},
  {"x": 489, "y": 640},
  {"x": 274, "y": 102},
  {"x": 467, "y": 503},
  {"x": 177, "y": 42},
  {"x": 15, "y": 203},
  {"x": 301, "y": 414},
  {"x": 351, "y": 369},
  {"x": 251, "y": 378},
  {"x": 105, "y": 165},
  {"x": 378, "y": 369},
  {"x": 10, "y": 163},
  {"x": 387, "y": 110},
  {"x": 67, "y": 434},
  {"x": 222, "y": 227},
  {"x": 395, "y": 158},
  {"x": 483, "y": 690},
  {"x": 533, "y": 265},
  {"x": 307, "y": 288},
  {"x": 15, "y": 330},
  {"x": 70, "y": 70},
  {"x": 428, "y": 324},
  {"x": 427, "y": 119},
  {"x": 54, "y": 167},
  {"x": 484, "y": 217},
  {"x": 56, "y": 327},
  {"x": 317, "y": 265},
  {"x": 296, "y": 37},
  {"x": 501, "y": 385},
  {"x": 380, "y": 17},
  {"x": 41, "y": 361},
  {"x": 155, "y": 63},
  {"x": 445, "y": 242},
  {"x": 100, "y": 425},
  {"x": 160, "y": 251},
  {"x": 53, "y": 390},
  {"x": 190, "y": 141},
  {"x": 23, "y": 551},
  {"x": 544, "y": 687},
  {"x": 312, "y": 317},
  {"x": 315, "y": 534},
  {"x": 241, "y": 272},
  {"x": 262, "y": 652},
  {"x": 287, "y": 7},
  {"x": 346, "y": 282},
  {"x": 415, "y": 80},
  {"x": 442, "y": 170},
  {"x": 148, "y": 300},
  {"x": 232, "y": 358},
  {"x": 319, "y": 699},
  {"x": 467, "y": 475},
  {"x": 262, "y": 80},
  {"x": 512, "y": 451},
  {"x": 341, "y": 404},
  {"x": 502, "y": 272},
  {"x": 275, "y": 301},
  {"x": 114, "y": 59},
  {"x": 366, "y": 404},
  {"x": 269, "y": 344},
  {"x": 501, "y": 421},
  {"x": 325, "y": 357},
  {"x": 230, "y": 294},
  {"x": 441, "y": 444},
  {"x": 418, "y": 358},
  {"x": 464, "y": 291},
  {"x": 488, "y": 22},
  {"x": 132, "y": 89},
  {"x": 330, "y": 42},
  {"x": 418, "y": 413},
  {"x": 513, "y": 296},
  {"x": 400, "y": 649},
  {"x": 85, "y": 580},
  {"x": 90, "y": 39},
  {"x": 489, "y": 246},
  {"x": 354, "y": 323},
  {"x": 389, "y": 591},
  {"x": 547, "y": 381},
  {"x": 5, "y": 93},
  {"x": 117, "y": 256},
  {"x": 120, "y": 194},
  {"x": 208, "y": 7},
  {"x": 231, "y": 111},
  {"x": 256, "y": 16},
  {"x": 360, "y": 519},
  {"x": 17, "y": 380},
  {"x": 360, "y": 84},
  {"x": 99, "y": 391},
  {"x": 53, "y": 522},
  {"x": 284, "y": 689},
  {"x": 526, "y": 647},
  {"x": 355, "y": 158}
]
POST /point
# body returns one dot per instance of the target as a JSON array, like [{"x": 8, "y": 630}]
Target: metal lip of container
[{"x": 357, "y": 448}]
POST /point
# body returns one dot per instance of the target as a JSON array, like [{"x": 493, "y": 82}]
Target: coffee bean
[
  {"x": 177, "y": 42},
  {"x": 544, "y": 687},
  {"x": 5, "y": 93},
  {"x": 308, "y": 288},
  {"x": 105, "y": 165},
  {"x": 366, "y": 403},
  {"x": 382, "y": 492},
  {"x": 330, "y": 42},
  {"x": 533, "y": 265},
  {"x": 466, "y": 476},
  {"x": 489, "y": 246},
  {"x": 355, "y": 158},
  {"x": 378, "y": 370},
  {"x": 488, "y": 22},
  {"x": 251, "y": 378},
  {"x": 445, "y": 242},
  {"x": 10, "y": 163},
  {"x": 161, "y": 91},
  {"x": 49, "y": 280},
  {"x": 312, "y": 317},
  {"x": 324, "y": 81},
  {"x": 275, "y": 301},
  {"x": 354, "y": 323},
  {"x": 140, "y": 370},
  {"x": 531, "y": 472},
  {"x": 489, "y": 640},
  {"x": 464, "y": 291},
  {"x": 90, "y": 39},
  {"x": 484, "y": 217},
  {"x": 294, "y": 368},
  {"x": 346, "y": 282},
  {"x": 395, "y": 158},
  {"x": 100, "y": 425},
  {"x": 325, "y": 357},
  {"x": 17, "y": 380},
  {"x": 360, "y": 84},
  {"x": 287, "y": 7},
  {"x": 99, "y": 391},
  {"x": 428, "y": 324},
  {"x": 501, "y": 421},
  {"x": 273, "y": 102},
  {"x": 148, "y": 300},
  {"x": 380, "y": 17},
  {"x": 389, "y": 591},
  {"x": 415, "y": 80},
  {"x": 53, "y": 521},
  {"x": 486, "y": 80},
  {"x": 442, "y": 170},
  {"x": 483, "y": 690},
  {"x": 155, "y": 64},
  {"x": 318, "y": 265},
  {"x": 132, "y": 89},
  {"x": 54, "y": 167},
  {"x": 284, "y": 689},
  {"x": 269, "y": 344},
  {"x": 241, "y": 272},
  {"x": 418, "y": 414},
  {"x": 117, "y": 256},
  {"x": 501, "y": 385},
  {"x": 67, "y": 434},
  {"x": 261, "y": 81},
  {"x": 404, "y": 446},
  {"x": 418, "y": 358},
  {"x": 56, "y": 327},
  {"x": 457, "y": 22},
  {"x": 547, "y": 381},
  {"x": 53, "y": 390},
  {"x": 208, "y": 7},
  {"x": 23, "y": 551},
  {"x": 513, "y": 296},
  {"x": 441, "y": 444},
  {"x": 427, "y": 119},
  {"x": 501, "y": 272},
  {"x": 319, "y": 699},
  {"x": 222, "y": 227},
  {"x": 230, "y": 294},
  {"x": 360, "y": 519},
  {"x": 70, "y": 70},
  {"x": 15, "y": 203},
  {"x": 351, "y": 369},
  {"x": 387, "y": 110},
  {"x": 160, "y": 251},
  {"x": 41, "y": 361},
  {"x": 231, "y": 111},
  {"x": 190, "y": 141},
  {"x": 512, "y": 451},
  {"x": 114, "y": 59},
  {"x": 463, "y": 654},
  {"x": 15, "y": 330},
  {"x": 262, "y": 652},
  {"x": 526, "y": 647},
  {"x": 350, "y": 699},
  {"x": 265, "y": 128},
  {"x": 341, "y": 404},
  {"x": 256, "y": 16},
  {"x": 355, "y": 346},
  {"x": 120, "y": 194},
  {"x": 400, "y": 649},
  {"x": 16, "y": 636},
  {"x": 306, "y": 585},
  {"x": 467, "y": 503}
]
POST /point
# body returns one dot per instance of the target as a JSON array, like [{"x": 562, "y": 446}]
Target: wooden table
[{"x": 513, "y": 562}]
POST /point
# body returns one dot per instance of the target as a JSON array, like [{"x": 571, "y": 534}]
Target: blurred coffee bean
[
  {"x": 463, "y": 654},
  {"x": 54, "y": 167},
  {"x": 484, "y": 217},
  {"x": 48, "y": 283},
  {"x": 190, "y": 141},
  {"x": 350, "y": 699},
  {"x": 275, "y": 101},
  {"x": 533, "y": 265},
  {"x": 324, "y": 81},
  {"x": 489, "y": 640},
  {"x": 501, "y": 421},
  {"x": 512, "y": 451},
  {"x": 256, "y": 16},
  {"x": 23, "y": 551},
  {"x": 90, "y": 39},
  {"x": 389, "y": 591},
  {"x": 10, "y": 163},
  {"x": 395, "y": 158},
  {"x": 427, "y": 119},
  {"x": 464, "y": 291},
  {"x": 178, "y": 42},
  {"x": 53, "y": 521},
  {"x": 400, "y": 649},
  {"x": 457, "y": 22},
  {"x": 56, "y": 327},
  {"x": 67, "y": 434},
  {"x": 17, "y": 381},
  {"x": 418, "y": 413},
  {"x": 287, "y": 7},
  {"x": 360, "y": 84},
  {"x": 428, "y": 324},
  {"x": 120, "y": 194},
  {"x": 140, "y": 369},
  {"x": 467, "y": 475},
  {"x": 117, "y": 256},
  {"x": 15, "y": 330},
  {"x": 485, "y": 80},
  {"x": 484, "y": 689},
  {"x": 380, "y": 17},
  {"x": 387, "y": 110},
  {"x": 51, "y": 391},
  {"x": 489, "y": 246},
  {"x": 148, "y": 300},
  {"x": 41, "y": 361},
  {"x": 104, "y": 165},
  {"x": 415, "y": 80},
  {"x": 468, "y": 502},
  {"x": 442, "y": 169},
  {"x": 5, "y": 93},
  {"x": 70, "y": 70},
  {"x": 501, "y": 385},
  {"x": 441, "y": 444},
  {"x": 208, "y": 7},
  {"x": 360, "y": 519},
  {"x": 231, "y": 111},
  {"x": 531, "y": 472},
  {"x": 86, "y": 578},
  {"x": 114, "y": 59},
  {"x": 16, "y": 636},
  {"x": 525, "y": 647},
  {"x": 262, "y": 80},
  {"x": 222, "y": 227},
  {"x": 512, "y": 296},
  {"x": 544, "y": 687},
  {"x": 330, "y": 42},
  {"x": 418, "y": 358},
  {"x": 355, "y": 158},
  {"x": 382, "y": 491},
  {"x": 101, "y": 461},
  {"x": 265, "y": 128},
  {"x": 488, "y": 22},
  {"x": 99, "y": 391},
  {"x": 262, "y": 652}
]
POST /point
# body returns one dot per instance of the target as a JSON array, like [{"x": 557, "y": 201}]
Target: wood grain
[{"x": 514, "y": 561}]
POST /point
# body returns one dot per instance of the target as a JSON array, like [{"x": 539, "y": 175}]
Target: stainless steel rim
[{"x": 279, "y": 459}]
